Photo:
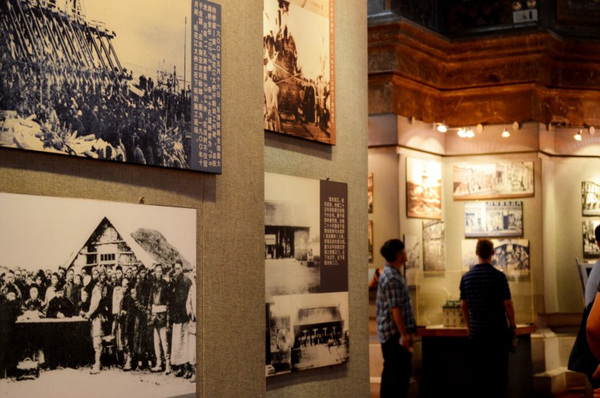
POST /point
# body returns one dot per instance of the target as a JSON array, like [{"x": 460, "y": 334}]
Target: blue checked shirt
[{"x": 392, "y": 292}]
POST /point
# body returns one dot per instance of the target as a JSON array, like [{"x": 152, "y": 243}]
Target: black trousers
[
  {"x": 397, "y": 368},
  {"x": 488, "y": 367}
]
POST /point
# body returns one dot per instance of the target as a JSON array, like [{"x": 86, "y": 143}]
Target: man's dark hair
[
  {"x": 597, "y": 233},
  {"x": 390, "y": 249},
  {"x": 485, "y": 248}
]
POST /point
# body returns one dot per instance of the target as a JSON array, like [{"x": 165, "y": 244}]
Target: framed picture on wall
[
  {"x": 511, "y": 256},
  {"x": 590, "y": 198},
  {"x": 590, "y": 248},
  {"x": 423, "y": 189},
  {"x": 298, "y": 58},
  {"x": 370, "y": 192},
  {"x": 61, "y": 245},
  {"x": 306, "y": 273},
  {"x": 493, "y": 180},
  {"x": 493, "y": 219},
  {"x": 434, "y": 246},
  {"x": 121, "y": 81}
]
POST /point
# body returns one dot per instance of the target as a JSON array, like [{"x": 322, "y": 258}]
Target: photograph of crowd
[
  {"x": 590, "y": 198},
  {"x": 298, "y": 63},
  {"x": 493, "y": 180},
  {"x": 93, "y": 290},
  {"x": 87, "y": 79},
  {"x": 423, "y": 189},
  {"x": 493, "y": 219}
]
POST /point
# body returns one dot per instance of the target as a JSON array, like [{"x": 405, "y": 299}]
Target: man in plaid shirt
[{"x": 395, "y": 322}]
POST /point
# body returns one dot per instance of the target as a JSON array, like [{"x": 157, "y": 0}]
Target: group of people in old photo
[{"x": 136, "y": 318}]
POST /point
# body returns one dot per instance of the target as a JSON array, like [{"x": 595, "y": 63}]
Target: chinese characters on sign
[
  {"x": 206, "y": 86},
  {"x": 334, "y": 236}
]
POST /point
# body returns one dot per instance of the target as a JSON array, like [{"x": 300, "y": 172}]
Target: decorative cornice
[{"x": 534, "y": 76}]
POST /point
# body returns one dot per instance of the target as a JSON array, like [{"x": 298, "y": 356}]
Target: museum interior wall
[
  {"x": 552, "y": 218},
  {"x": 230, "y": 207}
]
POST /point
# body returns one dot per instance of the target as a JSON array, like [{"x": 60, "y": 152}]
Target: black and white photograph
[
  {"x": 434, "y": 246},
  {"x": 498, "y": 180},
  {"x": 494, "y": 219},
  {"x": 590, "y": 198},
  {"x": 100, "y": 79},
  {"x": 413, "y": 262},
  {"x": 306, "y": 331},
  {"x": 590, "y": 248},
  {"x": 97, "y": 298},
  {"x": 423, "y": 188},
  {"x": 511, "y": 256},
  {"x": 292, "y": 235},
  {"x": 298, "y": 58},
  {"x": 306, "y": 273}
]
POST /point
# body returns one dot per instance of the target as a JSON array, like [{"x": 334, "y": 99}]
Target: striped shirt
[
  {"x": 485, "y": 288},
  {"x": 392, "y": 292}
]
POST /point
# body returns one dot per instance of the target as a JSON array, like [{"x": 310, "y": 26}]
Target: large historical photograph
[
  {"x": 101, "y": 79},
  {"x": 493, "y": 180},
  {"x": 97, "y": 297},
  {"x": 590, "y": 198},
  {"x": 298, "y": 56},
  {"x": 423, "y": 189},
  {"x": 493, "y": 219},
  {"x": 306, "y": 279},
  {"x": 511, "y": 256},
  {"x": 590, "y": 248},
  {"x": 434, "y": 246}
]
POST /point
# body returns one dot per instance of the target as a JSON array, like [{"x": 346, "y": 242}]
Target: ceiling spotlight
[
  {"x": 577, "y": 136},
  {"x": 461, "y": 133},
  {"x": 442, "y": 128},
  {"x": 505, "y": 133},
  {"x": 470, "y": 133},
  {"x": 592, "y": 130}
]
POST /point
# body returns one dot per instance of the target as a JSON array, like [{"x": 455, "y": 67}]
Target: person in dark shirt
[
  {"x": 60, "y": 306},
  {"x": 9, "y": 311},
  {"x": 490, "y": 318}
]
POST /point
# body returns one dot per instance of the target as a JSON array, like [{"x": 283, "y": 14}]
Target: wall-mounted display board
[
  {"x": 511, "y": 256},
  {"x": 113, "y": 80},
  {"x": 423, "y": 188},
  {"x": 434, "y": 246},
  {"x": 493, "y": 219},
  {"x": 108, "y": 244},
  {"x": 299, "y": 80},
  {"x": 590, "y": 248},
  {"x": 590, "y": 198},
  {"x": 493, "y": 180},
  {"x": 306, "y": 273}
]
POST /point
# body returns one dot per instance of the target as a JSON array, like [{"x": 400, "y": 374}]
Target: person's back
[{"x": 485, "y": 289}]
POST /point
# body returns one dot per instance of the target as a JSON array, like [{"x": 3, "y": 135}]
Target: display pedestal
[{"x": 445, "y": 371}]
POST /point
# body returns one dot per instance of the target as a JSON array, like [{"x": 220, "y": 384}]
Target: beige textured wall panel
[{"x": 345, "y": 162}]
